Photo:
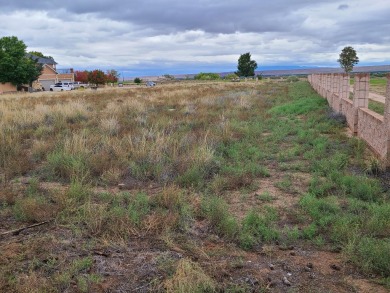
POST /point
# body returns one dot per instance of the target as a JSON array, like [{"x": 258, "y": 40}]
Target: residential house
[{"x": 50, "y": 74}]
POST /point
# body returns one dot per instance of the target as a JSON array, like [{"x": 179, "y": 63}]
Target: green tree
[
  {"x": 246, "y": 66},
  {"x": 40, "y": 54},
  {"x": 137, "y": 80},
  {"x": 33, "y": 70},
  {"x": 207, "y": 76},
  {"x": 97, "y": 77},
  {"x": 348, "y": 58},
  {"x": 15, "y": 66}
]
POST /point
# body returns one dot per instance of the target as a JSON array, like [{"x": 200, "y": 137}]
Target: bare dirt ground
[{"x": 136, "y": 264}]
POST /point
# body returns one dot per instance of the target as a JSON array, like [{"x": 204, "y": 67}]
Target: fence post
[
  {"x": 360, "y": 96},
  {"x": 329, "y": 88},
  {"x": 386, "y": 122},
  {"x": 343, "y": 90},
  {"x": 323, "y": 83},
  {"x": 335, "y": 92}
]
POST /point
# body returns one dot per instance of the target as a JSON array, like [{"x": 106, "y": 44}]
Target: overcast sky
[{"x": 142, "y": 37}]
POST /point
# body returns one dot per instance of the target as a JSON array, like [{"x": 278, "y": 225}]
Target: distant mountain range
[
  {"x": 304, "y": 71},
  {"x": 291, "y": 71}
]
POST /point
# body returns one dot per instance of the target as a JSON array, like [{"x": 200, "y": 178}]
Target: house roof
[{"x": 41, "y": 60}]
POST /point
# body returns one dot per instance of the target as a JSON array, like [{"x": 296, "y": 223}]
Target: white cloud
[{"x": 175, "y": 35}]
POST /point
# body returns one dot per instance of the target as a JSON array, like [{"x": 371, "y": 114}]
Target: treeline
[{"x": 97, "y": 76}]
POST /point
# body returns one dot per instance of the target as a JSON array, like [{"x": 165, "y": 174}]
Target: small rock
[
  {"x": 309, "y": 265},
  {"x": 291, "y": 247},
  {"x": 285, "y": 267},
  {"x": 121, "y": 186},
  {"x": 335, "y": 267},
  {"x": 273, "y": 284},
  {"x": 292, "y": 253},
  {"x": 271, "y": 267},
  {"x": 252, "y": 282},
  {"x": 286, "y": 282},
  {"x": 307, "y": 269}
]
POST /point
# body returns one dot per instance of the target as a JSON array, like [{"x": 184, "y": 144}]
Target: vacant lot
[{"x": 216, "y": 187}]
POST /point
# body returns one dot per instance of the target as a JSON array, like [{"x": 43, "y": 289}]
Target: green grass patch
[{"x": 377, "y": 107}]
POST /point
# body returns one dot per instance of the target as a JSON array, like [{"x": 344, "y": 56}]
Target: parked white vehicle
[
  {"x": 63, "y": 85},
  {"x": 59, "y": 87},
  {"x": 80, "y": 85},
  {"x": 150, "y": 83}
]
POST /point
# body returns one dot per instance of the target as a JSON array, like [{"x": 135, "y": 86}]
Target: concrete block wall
[
  {"x": 370, "y": 128},
  {"x": 7, "y": 87},
  {"x": 349, "y": 113},
  {"x": 364, "y": 123}
]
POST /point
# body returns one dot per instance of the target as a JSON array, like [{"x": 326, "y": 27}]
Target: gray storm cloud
[{"x": 200, "y": 33}]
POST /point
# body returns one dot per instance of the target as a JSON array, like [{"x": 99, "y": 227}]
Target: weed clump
[
  {"x": 189, "y": 277},
  {"x": 216, "y": 211}
]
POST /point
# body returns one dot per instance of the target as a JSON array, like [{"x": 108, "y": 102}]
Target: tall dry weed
[
  {"x": 189, "y": 278},
  {"x": 110, "y": 125}
]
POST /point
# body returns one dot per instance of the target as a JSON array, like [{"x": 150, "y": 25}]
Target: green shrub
[
  {"x": 138, "y": 208},
  {"x": 378, "y": 220},
  {"x": 207, "y": 76},
  {"x": 258, "y": 226},
  {"x": 292, "y": 78},
  {"x": 231, "y": 76},
  {"x": 78, "y": 190},
  {"x": 360, "y": 187},
  {"x": 247, "y": 240},
  {"x": 216, "y": 211},
  {"x": 321, "y": 187},
  {"x": 370, "y": 255},
  {"x": 310, "y": 231},
  {"x": 322, "y": 210},
  {"x": 66, "y": 166},
  {"x": 193, "y": 177},
  {"x": 345, "y": 227}
]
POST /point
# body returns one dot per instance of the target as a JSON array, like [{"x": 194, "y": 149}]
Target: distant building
[{"x": 50, "y": 74}]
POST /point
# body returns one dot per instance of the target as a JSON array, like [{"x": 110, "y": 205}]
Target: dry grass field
[{"x": 188, "y": 187}]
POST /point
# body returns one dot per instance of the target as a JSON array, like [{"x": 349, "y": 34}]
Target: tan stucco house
[{"x": 50, "y": 74}]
